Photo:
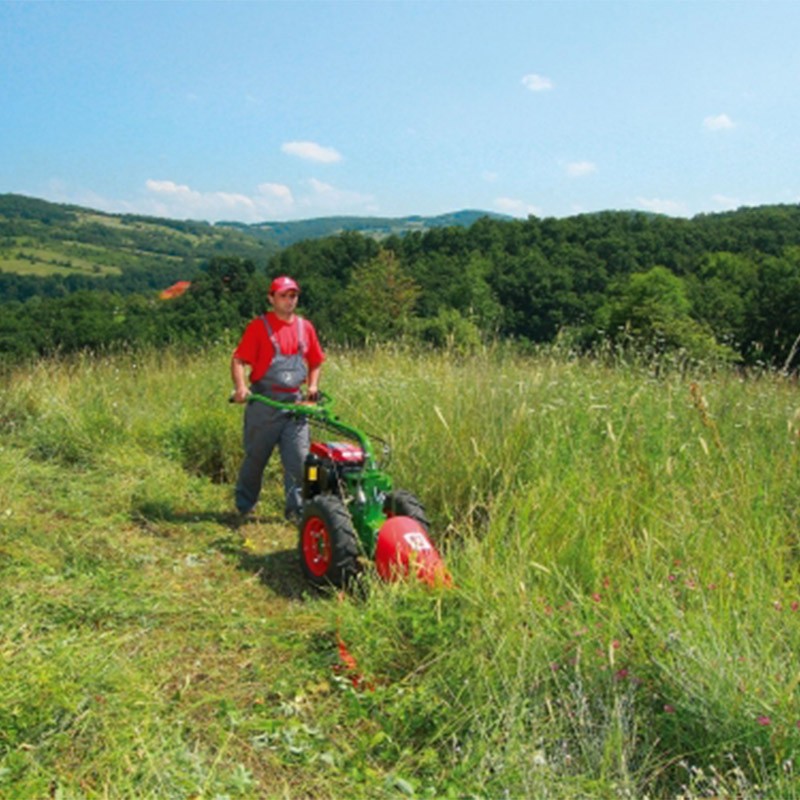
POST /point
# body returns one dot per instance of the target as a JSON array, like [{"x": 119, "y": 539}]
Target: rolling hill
[
  {"x": 39, "y": 238},
  {"x": 47, "y": 239},
  {"x": 285, "y": 234}
]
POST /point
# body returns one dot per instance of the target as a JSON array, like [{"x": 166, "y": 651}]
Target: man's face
[{"x": 284, "y": 303}]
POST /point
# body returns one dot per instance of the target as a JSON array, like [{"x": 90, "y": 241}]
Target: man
[{"x": 283, "y": 352}]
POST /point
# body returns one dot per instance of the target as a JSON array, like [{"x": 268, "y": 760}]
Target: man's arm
[
  {"x": 313, "y": 382},
  {"x": 240, "y": 388}
]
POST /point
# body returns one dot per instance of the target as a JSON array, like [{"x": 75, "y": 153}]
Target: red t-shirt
[{"x": 255, "y": 347}]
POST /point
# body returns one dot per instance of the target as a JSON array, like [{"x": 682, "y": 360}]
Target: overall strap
[
  {"x": 301, "y": 337},
  {"x": 272, "y": 337}
]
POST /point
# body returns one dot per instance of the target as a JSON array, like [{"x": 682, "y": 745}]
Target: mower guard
[{"x": 403, "y": 548}]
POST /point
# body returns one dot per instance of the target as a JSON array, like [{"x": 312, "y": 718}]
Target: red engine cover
[{"x": 340, "y": 452}]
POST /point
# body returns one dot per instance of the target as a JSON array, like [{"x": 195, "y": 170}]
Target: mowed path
[{"x": 137, "y": 610}]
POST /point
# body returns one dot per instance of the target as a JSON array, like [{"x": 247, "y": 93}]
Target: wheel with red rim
[
  {"x": 328, "y": 544},
  {"x": 402, "y": 503}
]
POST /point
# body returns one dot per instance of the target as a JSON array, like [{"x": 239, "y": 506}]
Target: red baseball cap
[{"x": 283, "y": 284}]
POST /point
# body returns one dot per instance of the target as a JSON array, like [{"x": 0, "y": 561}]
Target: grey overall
[{"x": 265, "y": 427}]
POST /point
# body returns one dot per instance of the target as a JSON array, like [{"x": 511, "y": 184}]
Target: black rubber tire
[
  {"x": 328, "y": 545},
  {"x": 402, "y": 503}
]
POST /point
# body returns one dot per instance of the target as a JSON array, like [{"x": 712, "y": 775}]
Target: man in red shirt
[{"x": 282, "y": 352}]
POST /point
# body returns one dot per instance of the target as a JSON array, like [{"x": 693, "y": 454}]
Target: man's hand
[
  {"x": 240, "y": 389},
  {"x": 240, "y": 395}
]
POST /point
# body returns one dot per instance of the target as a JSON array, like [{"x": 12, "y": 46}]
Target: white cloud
[
  {"x": 720, "y": 122},
  {"x": 516, "y": 208},
  {"x": 537, "y": 83},
  {"x": 276, "y": 191},
  {"x": 490, "y": 177},
  {"x": 270, "y": 201},
  {"x": 166, "y": 187},
  {"x": 578, "y": 169},
  {"x": 58, "y": 191},
  {"x": 325, "y": 198},
  {"x": 169, "y": 195},
  {"x": 727, "y": 203},
  {"x": 659, "y": 206},
  {"x": 311, "y": 151}
]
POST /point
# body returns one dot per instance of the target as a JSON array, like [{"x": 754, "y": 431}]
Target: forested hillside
[
  {"x": 722, "y": 286},
  {"x": 288, "y": 233},
  {"x": 49, "y": 250}
]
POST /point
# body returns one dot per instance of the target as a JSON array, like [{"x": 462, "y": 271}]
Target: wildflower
[
  {"x": 795, "y": 605},
  {"x": 596, "y": 597},
  {"x": 621, "y": 674},
  {"x": 764, "y": 720},
  {"x": 668, "y": 709}
]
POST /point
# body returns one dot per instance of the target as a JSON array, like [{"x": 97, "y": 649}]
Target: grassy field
[
  {"x": 63, "y": 259},
  {"x": 624, "y": 622}
]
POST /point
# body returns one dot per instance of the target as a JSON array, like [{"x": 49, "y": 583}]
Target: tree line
[{"x": 723, "y": 286}]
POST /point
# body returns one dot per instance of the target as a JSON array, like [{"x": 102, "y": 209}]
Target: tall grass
[
  {"x": 624, "y": 619},
  {"x": 625, "y": 549}
]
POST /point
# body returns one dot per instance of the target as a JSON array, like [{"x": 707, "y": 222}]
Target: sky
[{"x": 285, "y": 109}]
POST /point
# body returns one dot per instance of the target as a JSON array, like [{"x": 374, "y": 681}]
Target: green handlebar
[{"x": 322, "y": 413}]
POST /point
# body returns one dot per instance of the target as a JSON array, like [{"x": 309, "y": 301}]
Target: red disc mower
[{"x": 351, "y": 511}]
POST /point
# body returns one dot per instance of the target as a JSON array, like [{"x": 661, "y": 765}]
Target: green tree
[
  {"x": 449, "y": 329},
  {"x": 778, "y": 308},
  {"x": 379, "y": 300},
  {"x": 723, "y": 293},
  {"x": 650, "y": 311}
]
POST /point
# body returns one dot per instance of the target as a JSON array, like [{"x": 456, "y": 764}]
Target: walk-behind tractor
[{"x": 351, "y": 511}]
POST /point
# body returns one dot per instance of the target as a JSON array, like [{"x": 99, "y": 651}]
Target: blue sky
[{"x": 270, "y": 110}]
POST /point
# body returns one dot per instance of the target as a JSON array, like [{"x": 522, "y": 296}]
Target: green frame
[{"x": 368, "y": 487}]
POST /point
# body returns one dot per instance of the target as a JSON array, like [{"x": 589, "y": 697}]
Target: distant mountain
[
  {"x": 51, "y": 249},
  {"x": 43, "y": 239},
  {"x": 40, "y": 238},
  {"x": 287, "y": 233}
]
